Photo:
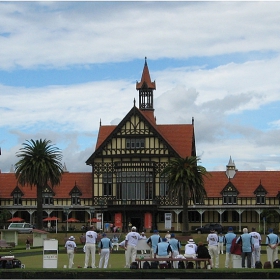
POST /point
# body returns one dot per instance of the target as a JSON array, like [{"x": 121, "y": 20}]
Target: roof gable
[
  {"x": 178, "y": 139},
  {"x": 260, "y": 189}
]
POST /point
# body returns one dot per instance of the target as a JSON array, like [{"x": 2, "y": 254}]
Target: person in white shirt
[
  {"x": 143, "y": 236},
  {"x": 213, "y": 240},
  {"x": 190, "y": 249},
  {"x": 256, "y": 253},
  {"x": 70, "y": 247},
  {"x": 91, "y": 237},
  {"x": 131, "y": 241},
  {"x": 221, "y": 243}
]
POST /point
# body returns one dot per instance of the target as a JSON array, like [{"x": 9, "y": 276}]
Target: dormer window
[
  {"x": 17, "y": 198},
  {"x": 260, "y": 193},
  {"x": 47, "y": 196},
  {"x": 75, "y": 195},
  {"x": 229, "y": 194}
]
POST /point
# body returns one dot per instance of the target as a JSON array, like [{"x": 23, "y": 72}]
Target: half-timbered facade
[{"x": 129, "y": 158}]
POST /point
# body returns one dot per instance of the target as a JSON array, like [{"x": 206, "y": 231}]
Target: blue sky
[{"x": 64, "y": 66}]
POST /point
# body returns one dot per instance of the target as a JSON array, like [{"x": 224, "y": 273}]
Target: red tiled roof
[
  {"x": 179, "y": 136},
  {"x": 104, "y": 132},
  {"x": 83, "y": 181},
  {"x": 246, "y": 182}
]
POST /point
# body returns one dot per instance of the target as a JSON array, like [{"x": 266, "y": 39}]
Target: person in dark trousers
[
  {"x": 203, "y": 253},
  {"x": 247, "y": 247},
  {"x": 27, "y": 243}
]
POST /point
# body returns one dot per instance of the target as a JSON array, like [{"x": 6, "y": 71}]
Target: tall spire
[
  {"x": 146, "y": 88},
  {"x": 146, "y": 79}
]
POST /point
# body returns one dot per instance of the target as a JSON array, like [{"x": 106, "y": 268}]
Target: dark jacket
[{"x": 202, "y": 252}]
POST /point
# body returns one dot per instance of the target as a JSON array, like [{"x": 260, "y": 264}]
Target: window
[
  {"x": 75, "y": 198},
  {"x": 229, "y": 194},
  {"x": 17, "y": 198},
  {"x": 260, "y": 193},
  {"x": 47, "y": 196},
  {"x": 135, "y": 185},
  {"x": 75, "y": 195},
  {"x": 260, "y": 199},
  {"x": 135, "y": 143},
  {"x": 229, "y": 198},
  {"x": 47, "y": 199},
  {"x": 163, "y": 187},
  {"x": 107, "y": 184}
]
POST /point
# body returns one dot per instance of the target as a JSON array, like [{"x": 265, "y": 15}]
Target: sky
[{"x": 67, "y": 66}]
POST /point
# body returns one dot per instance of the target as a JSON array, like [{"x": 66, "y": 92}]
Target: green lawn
[{"x": 116, "y": 261}]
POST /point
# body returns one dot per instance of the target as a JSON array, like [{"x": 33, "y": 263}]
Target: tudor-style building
[
  {"x": 125, "y": 183},
  {"x": 129, "y": 158}
]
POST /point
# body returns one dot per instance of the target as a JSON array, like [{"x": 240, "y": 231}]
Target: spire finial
[
  {"x": 134, "y": 101},
  {"x": 145, "y": 60}
]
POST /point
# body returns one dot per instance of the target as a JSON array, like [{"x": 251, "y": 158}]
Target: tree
[
  {"x": 185, "y": 180},
  {"x": 39, "y": 165}
]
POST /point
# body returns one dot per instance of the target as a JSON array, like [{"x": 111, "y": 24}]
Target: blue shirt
[
  {"x": 175, "y": 244},
  {"x": 228, "y": 240},
  {"x": 247, "y": 242},
  {"x": 221, "y": 238},
  {"x": 272, "y": 238},
  {"x": 154, "y": 240},
  {"x": 163, "y": 249},
  {"x": 105, "y": 243},
  {"x": 115, "y": 239}
]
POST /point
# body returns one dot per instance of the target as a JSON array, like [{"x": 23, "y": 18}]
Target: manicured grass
[{"x": 116, "y": 261}]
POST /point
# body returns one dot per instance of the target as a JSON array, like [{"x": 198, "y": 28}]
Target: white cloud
[{"x": 89, "y": 32}]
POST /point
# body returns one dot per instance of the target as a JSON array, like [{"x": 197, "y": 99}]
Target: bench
[
  {"x": 4, "y": 244},
  {"x": 197, "y": 260}
]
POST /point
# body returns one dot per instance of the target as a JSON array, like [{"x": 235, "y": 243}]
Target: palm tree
[
  {"x": 185, "y": 180},
  {"x": 39, "y": 165}
]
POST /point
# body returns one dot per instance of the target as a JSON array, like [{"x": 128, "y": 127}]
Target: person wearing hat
[
  {"x": 175, "y": 246},
  {"x": 213, "y": 240},
  {"x": 257, "y": 240},
  {"x": 272, "y": 242},
  {"x": 153, "y": 241},
  {"x": 70, "y": 247},
  {"x": 230, "y": 235},
  {"x": 104, "y": 247},
  {"x": 163, "y": 249},
  {"x": 190, "y": 249},
  {"x": 131, "y": 241}
]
